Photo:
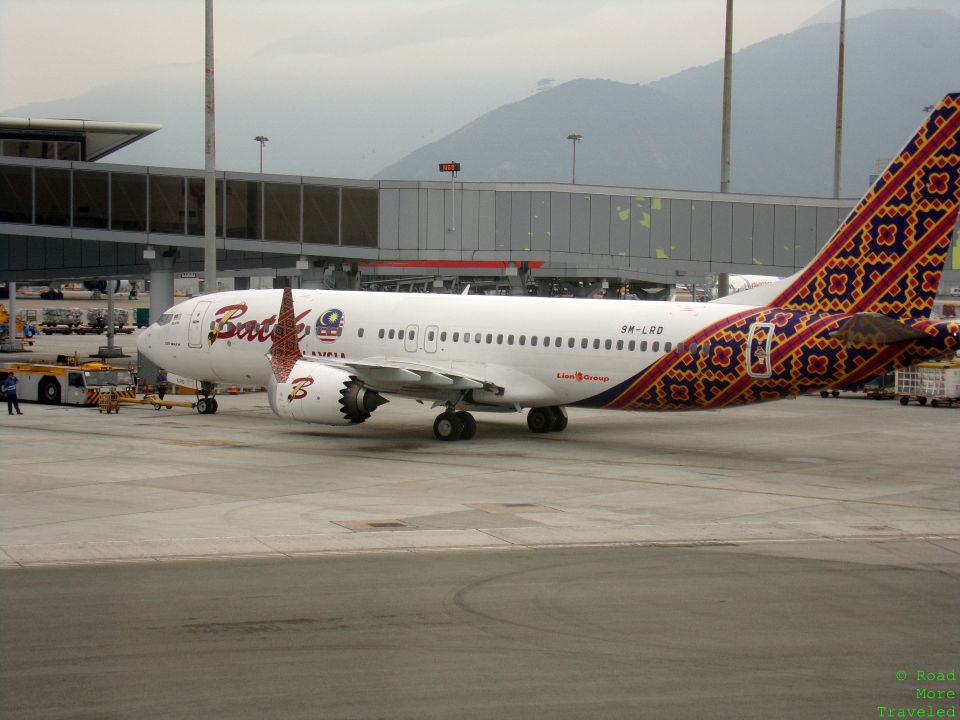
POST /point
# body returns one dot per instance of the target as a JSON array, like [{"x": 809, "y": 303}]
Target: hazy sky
[
  {"x": 58, "y": 48},
  {"x": 375, "y": 79}
]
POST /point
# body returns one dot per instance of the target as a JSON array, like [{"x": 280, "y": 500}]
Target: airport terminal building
[{"x": 65, "y": 215}]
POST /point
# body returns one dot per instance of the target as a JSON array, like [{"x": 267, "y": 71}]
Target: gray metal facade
[{"x": 270, "y": 220}]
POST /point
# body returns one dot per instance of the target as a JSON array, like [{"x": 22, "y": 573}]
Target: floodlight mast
[
  {"x": 453, "y": 168},
  {"x": 574, "y": 138},
  {"x": 263, "y": 140}
]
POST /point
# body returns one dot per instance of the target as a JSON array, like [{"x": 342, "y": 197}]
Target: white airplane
[{"x": 860, "y": 307}]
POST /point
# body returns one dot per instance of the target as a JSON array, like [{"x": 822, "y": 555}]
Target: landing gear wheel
[
  {"x": 836, "y": 393},
  {"x": 541, "y": 420},
  {"x": 559, "y": 419},
  {"x": 824, "y": 393},
  {"x": 934, "y": 403},
  {"x": 469, "y": 425},
  {"x": 922, "y": 400},
  {"x": 447, "y": 427},
  {"x": 904, "y": 400},
  {"x": 214, "y": 405}
]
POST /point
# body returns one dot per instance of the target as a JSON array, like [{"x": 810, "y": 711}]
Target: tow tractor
[{"x": 70, "y": 384}]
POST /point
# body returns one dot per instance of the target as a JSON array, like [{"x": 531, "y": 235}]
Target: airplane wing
[
  {"x": 875, "y": 329},
  {"x": 401, "y": 376}
]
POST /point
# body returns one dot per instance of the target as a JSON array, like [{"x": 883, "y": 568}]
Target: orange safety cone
[{"x": 234, "y": 390}]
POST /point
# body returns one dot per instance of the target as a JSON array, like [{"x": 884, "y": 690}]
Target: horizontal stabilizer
[{"x": 876, "y": 329}]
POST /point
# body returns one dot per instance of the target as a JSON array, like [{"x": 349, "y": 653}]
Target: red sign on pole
[{"x": 450, "y": 167}]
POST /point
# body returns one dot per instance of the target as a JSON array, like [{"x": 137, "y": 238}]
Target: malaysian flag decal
[{"x": 330, "y": 325}]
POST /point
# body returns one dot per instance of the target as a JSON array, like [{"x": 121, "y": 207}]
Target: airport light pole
[
  {"x": 574, "y": 138},
  {"x": 210, "y": 165},
  {"x": 723, "y": 283},
  {"x": 838, "y": 135},
  {"x": 263, "y": 140}
]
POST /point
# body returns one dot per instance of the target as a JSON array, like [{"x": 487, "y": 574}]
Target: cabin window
[
  {"x": 705, "y": 348},
  {"x": 381, "y": 333},
  {"x": 608, "y": 344},
  {"x": 533, "y": 340},
  {"x": 456, "y": 337},
  {"x": 412, "y": 335},
  {"x": 619, "y": 344},
  {"x": 693, "y": 348},
  {"x": 489, "y": 338},
  {"x": 430, "y": 335},
  {"x": 570, "y": 342},
  {"x": 632, "y": 345},
  {"x": 400, "y": 334},
  {"x": 643, "y": 346},
  {"x": 476, "y": 338},
  {"x": 392, "y": 333},
  {"x": 666, "y": 347},
  {"x": 596, "y": 344},
  {"x": 443, "y": 336},
  {"x": 679, "y": 347},
  {"x": 583, "y": 343},
  {"x": 509, "y": 339},
  {"x": 360, "y": 333},
  {"x": 656, "y": 346},
  {"x": 466, "y": 337},
  {"x": 546, "y": 341},
  {"x": 558, "y": 342},
  {"x": 499, "y": 339},
  {"x": 523, "y": 340}
]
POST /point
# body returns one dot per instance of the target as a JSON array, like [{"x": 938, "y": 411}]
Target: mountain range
[
  {"x": 666, "y": 134},
  {"x": 662, "y": 134}
]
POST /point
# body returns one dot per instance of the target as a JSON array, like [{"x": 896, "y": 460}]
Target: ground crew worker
[
  {"x": 9, "y": 388},
  {"x": 161, "y": 383}
]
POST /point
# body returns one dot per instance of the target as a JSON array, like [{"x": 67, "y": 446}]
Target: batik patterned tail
[
  {"x": 888, "y": 255},
  {"x": 285, "y": 350}
]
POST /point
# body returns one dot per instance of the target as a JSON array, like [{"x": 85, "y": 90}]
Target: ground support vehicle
[
  {"x": 936, "y": 382},
  {"x": 69, "y": 384}
]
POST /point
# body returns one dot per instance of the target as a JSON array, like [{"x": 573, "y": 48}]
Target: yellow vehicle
[{"x": 70, "y": 385}]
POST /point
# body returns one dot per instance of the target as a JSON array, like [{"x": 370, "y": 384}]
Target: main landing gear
[
  {"x": 460, "y": 425},
  {"x": 547, "y": 419},
  {"x": 452, "y": 425}
]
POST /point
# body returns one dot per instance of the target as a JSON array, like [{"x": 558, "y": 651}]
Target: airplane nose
[{"x": 144, "y": 340}]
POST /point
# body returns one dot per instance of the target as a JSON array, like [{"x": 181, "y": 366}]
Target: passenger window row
[{"x": 544, "y": 341}]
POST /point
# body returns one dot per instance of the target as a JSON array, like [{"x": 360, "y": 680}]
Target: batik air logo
[
  {"x": 231, "y": 321},
  {"x": 299, "y": 391}
]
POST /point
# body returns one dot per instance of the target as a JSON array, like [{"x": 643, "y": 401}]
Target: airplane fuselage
[{"x": 536, "y": 351}]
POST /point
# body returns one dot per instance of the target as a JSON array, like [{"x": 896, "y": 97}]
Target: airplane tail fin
[
  {"x": 285, "y": 350},
  {"x": 888, "y": 255}
]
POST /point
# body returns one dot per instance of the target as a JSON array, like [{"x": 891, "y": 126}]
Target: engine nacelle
[{"x": 322, "y": 394}]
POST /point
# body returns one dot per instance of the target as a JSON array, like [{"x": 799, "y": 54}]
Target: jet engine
[{"x": 322, "y": 394}]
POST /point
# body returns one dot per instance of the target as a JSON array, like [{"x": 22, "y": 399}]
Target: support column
[
  {"x": 161, "y": 286},
  {"x": 723, "y": 284},
  {"x": 12, "y": 344}
]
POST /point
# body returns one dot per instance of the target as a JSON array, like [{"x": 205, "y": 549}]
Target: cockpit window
[{"x": 165, "y": 319}]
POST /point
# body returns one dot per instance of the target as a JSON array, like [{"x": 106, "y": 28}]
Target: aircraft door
[
  {"x": 410, "y": 338},
  {"x": 430, "y": 339},
  {"x": 197, "y": 331},
  {"x": 758, "y": 350}
]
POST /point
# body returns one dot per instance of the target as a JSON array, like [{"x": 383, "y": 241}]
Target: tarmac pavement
[{"x": 785, "y": 560}]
